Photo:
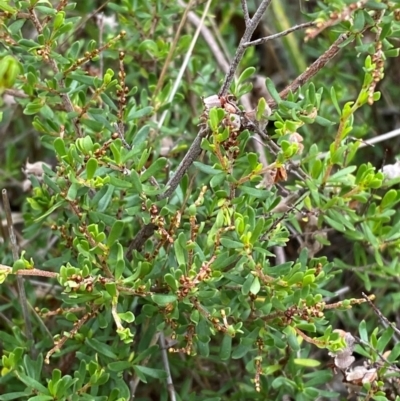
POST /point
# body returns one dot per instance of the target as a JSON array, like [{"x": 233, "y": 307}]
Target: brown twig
[
  {"x": 28, "y": 272},
  {"x": 251, "y": 27},
  {"x": 383, "y": 319},
  {"x": 77, "y": 325},
  {"x": 278, "y": 35}
]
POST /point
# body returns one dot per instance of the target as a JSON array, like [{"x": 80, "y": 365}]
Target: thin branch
[
  {"x": 164, "y": 354},
  {"x": 245, "y": 12},
  {"x": 192, "y": 154},
  {"x": 251, "y": 27},
  {"x": 20, "y": 280},
  {"x": 384, "y": 319},
  {"x": 314, "y": 68},
  {"x": 27, "y": 272},
  {"x": 121, "y": 135},
  {"x": 278, "y": 35}
]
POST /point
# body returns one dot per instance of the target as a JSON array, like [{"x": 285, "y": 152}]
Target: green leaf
[
  {"x": 111, "y": 288},
  {"x": 34, "y": 384},
  {"x": 155, "y": 373},
  {"x": 101, "y": 347},
  {"x": 272, "y": 91},
  {"x": 115, "y": 233},
  {"x": 310, "y": 363},
  {"x": 163, "y": 300},
  {"x": 91, "y": 167},
  {"x": 226, "y": 348},
  {"x": 179, "y": 249},
  {"x": 362, "y": 329},
  {"x": 384, "y": 339},
  {"x": 16, "y": 396},
  {"x": 246, "y": 74},
  {"x": 393, "y": 356},
  {"x": 134, "y": 114},
  {"x": 255, "y": 287},
  {"x": 59, "y": 147},
  {"x": 120, "y": 366},
  {"x": 334, "y": 100},
  {"x": 106, "y": 199},
  {"x": 206, "y": 169},
  {"x": 260, "y": 194},
  {"x": 128, "y": 317},
  {"x": 229, "y": 243},
  {"x": 389, "y": 199},
  {"x": 155, "y": 167},
  {"x": 135, "y": 180}
]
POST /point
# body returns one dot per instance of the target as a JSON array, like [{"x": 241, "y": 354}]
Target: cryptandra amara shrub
[{"x": 198, "y": 262}]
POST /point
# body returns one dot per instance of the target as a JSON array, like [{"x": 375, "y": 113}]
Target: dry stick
[
  {"x": 278, "y": 35},
  {"x": 164, "y": 354},
  {"x": 20, "y": 279},
  {"x": 384, "y": 319},
  {"x": 248, "y": 33},
  {"x": 64, "y": 96}
]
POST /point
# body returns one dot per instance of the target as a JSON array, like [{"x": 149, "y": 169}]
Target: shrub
[{"x": 191, "y": 242}]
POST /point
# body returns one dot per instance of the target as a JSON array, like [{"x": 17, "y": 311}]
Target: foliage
[{"x": 142, "y": 259}]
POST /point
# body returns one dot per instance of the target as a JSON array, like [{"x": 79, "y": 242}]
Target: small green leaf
[
  {"x": 389, "y": 199},
  {"x": 59, "y": 147},
  {"x": 135, "y": 180},
  {"x": 229, "y": 243},
  {"x": 115, "y": 233},
  {"x": 155, "y": 373},
  {"x": 106, "y": 199},
  {"x": 179, "y": 250},
  {"x": 163, "y": 300},
  {"x": 128, "y": 317},
  {"x": 246, "y": 74},
  {"x": 310, "y": 363},
  {"x": 101, "y": 347},
  {"x": 334, "y": 100},
  {"x": 111, "y": 288},
  {"x": 226, "y": 348},
  {"x": 135, "y": 114},
  {"x": 155, "y": 167},
  {"x": 91, "y": 167},
  {"x": 272, "y": 91},
  {"x": 120, "y": 366},
  {"x": 255, "y": 287},
  {"x": 362, "y": 329}
]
